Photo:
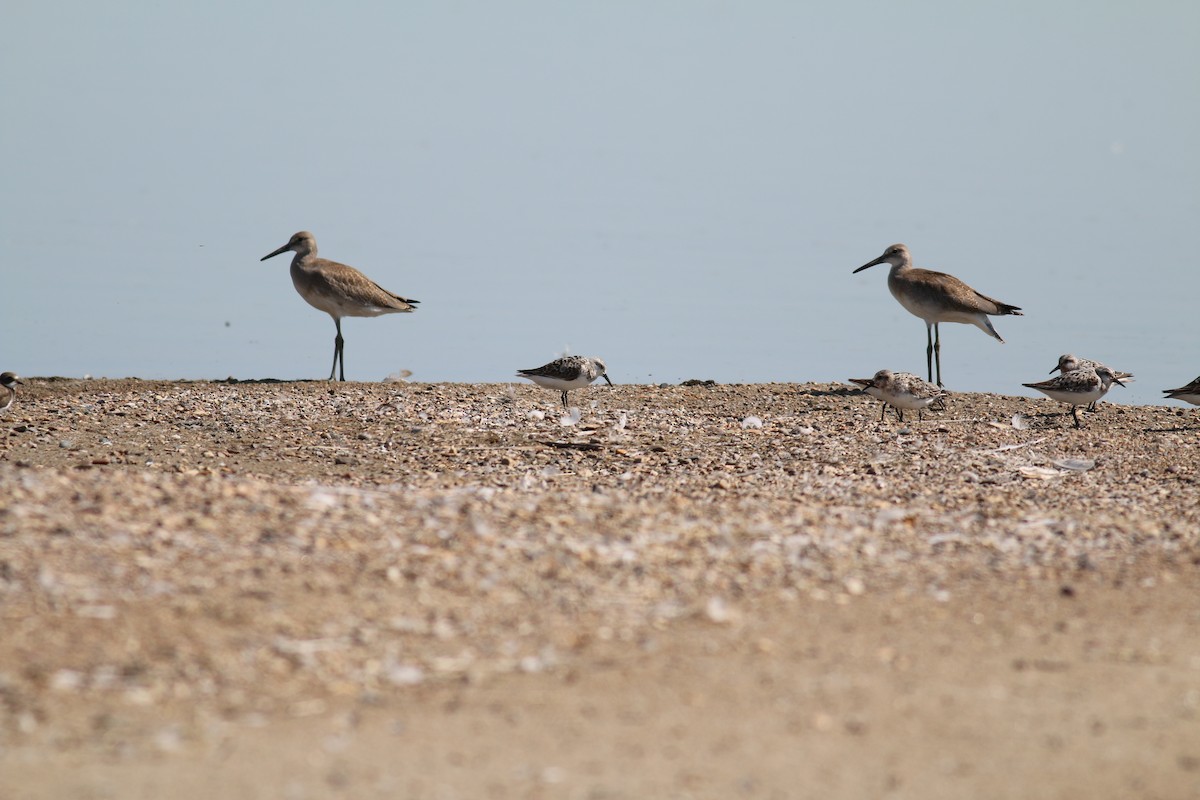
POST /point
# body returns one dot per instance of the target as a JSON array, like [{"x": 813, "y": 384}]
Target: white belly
[
  {"x": 560, "y": 384},
  {"x": 904, "y": 400},
  {"x": 1075, "y": 398},
  {"x": 930, "y": 312}
]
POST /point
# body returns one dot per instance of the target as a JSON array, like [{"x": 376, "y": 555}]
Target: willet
[
  {"x": 338, "y": 290},
  {"x": 1069, "y": 362},
  {"x": 1078, "y": 387},
  {"x": 900, "y": 390},
  {"x": 9, "y": 381},
  {"x": 937, "y": 297},
  {"x": 1188, "y": 394},
  {"x": 566, "y": 373}
]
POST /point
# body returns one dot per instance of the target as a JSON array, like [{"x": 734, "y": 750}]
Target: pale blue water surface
[{"x": 682, "y": 188}]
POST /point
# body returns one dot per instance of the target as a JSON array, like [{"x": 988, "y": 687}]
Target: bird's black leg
[
  {"x": 338, "y": 344},
  {"x": 937, "y": 351},
  {"x": 1075, "y": 416},
  {"x": 564, "y": 398},
  {"x": 929, "y": 349},
  {"x": 882, "y": 411}
]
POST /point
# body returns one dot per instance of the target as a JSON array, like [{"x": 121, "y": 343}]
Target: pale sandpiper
[
  {"x": 1069, "y": 362},
  {"x": 937, "y": 297},
  {"x": 900, "y": 390},
  {"x": 1078, "y": 387},
  {"x": 338, "y": 290},
  {"x": 1188, "y": 394},
  {"x": 566, "y": 373},
  {"x": 9, "y": 381}
]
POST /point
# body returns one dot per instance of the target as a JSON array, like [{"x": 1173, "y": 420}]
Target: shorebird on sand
[
  {"x": 566, "y": 373},
  {"x": 1188, "y": 394},
  {"x": 9, "y": 381},
  {"x": 900, "y": 390},
  {"x": 338, "y": 290},
  {"x": 1069, "y": 362},
  {"x": 1078, "y": 387},
  {"x": 937, "y": 297}
]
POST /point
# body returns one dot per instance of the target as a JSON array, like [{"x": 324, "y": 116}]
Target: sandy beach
[{"x": 305, "y": 590}]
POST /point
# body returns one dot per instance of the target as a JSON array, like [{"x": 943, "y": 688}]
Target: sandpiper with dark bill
[
  {"x": 1188, "y": 394},
  {"x": 9, "y": 381},
  {"x": 937, "y": 297},
  {"x": 338, "y": 290},
  {"x": 1078, "y": 387},
  {"x": 901, "y": 391},
  {"x": 1069, "y": 362},
  {"x": 566, "y": 373}
]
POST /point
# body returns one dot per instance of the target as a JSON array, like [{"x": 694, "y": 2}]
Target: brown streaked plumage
[
  {"x": 338, "y": 290},
  {"x": 9, "y": 381},
  {"x": 937, "y": 297}
]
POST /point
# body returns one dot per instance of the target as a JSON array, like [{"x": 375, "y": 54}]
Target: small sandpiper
[
  {"x": 9, "y": 381},
  {"x": 1078, "y": 387},
  {"x": 338, "y": 290},
  {"x": 1188, "y": 394},
  {"x": 900, "y": 390},
  {"x": 1068, "y": 362},
  {"x": 937, "y": 297},
  {"x": 566, "y": 373}
]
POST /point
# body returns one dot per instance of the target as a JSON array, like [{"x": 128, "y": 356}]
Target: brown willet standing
[
  {"x": 937, "y": 297},
  {"x": 900, "y": 390},
  {"x": 1078, "y": 387},
  {"x": 9, "y": 381},
  {"x": 566, "y": 373},
  {"x": 1068, "y": 362},
  {"x": 338, "y": 290}
]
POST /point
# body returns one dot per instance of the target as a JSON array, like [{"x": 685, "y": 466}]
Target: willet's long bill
[
  {"x": 338, "y": 290},
  {"x": 900, "y": 390},
  {"x": 1078, "y": 387},
  {"x": 566, "y": 373},
  {"x": 937, "y": 297}
]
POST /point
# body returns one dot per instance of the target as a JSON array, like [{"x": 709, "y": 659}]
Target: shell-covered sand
[{"x": 428, "y": 590}]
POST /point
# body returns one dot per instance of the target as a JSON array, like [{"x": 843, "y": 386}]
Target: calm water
[{"x": 683, "y": 189}]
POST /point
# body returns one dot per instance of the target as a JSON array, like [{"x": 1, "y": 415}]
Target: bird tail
[
  {"x": 1002, "y": 309},
  {"x": 987, "y": 327}
]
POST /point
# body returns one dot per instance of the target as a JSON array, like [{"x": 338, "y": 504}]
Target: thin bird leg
[
  {"x": 900, "y": 414},
  {"x": 338, "y": 343},
  {"x": 883, "y": 407},
  {"x": 564, "y": 398},
  {"x": 1075, "y": 416},
  {"x": 937, "y": 351},
  {"x": 929, "y": 349}
]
